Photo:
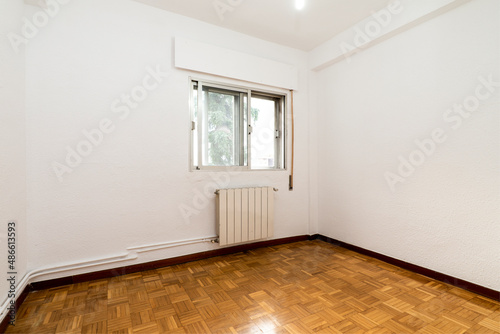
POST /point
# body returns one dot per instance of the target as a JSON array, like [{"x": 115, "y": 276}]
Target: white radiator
[{"x": 245, "y": 214}]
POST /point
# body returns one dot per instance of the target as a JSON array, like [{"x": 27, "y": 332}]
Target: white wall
[
  {"x": 12, "y": 143},
  {"x": 129, "y": 190},
  {"x": 445, "y": 215}
]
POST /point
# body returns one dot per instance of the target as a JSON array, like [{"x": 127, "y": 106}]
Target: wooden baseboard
[{"x": 460, "y": 283}]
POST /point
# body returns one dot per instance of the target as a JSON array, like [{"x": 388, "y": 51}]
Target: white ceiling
[{"x": 277, "y": 20}]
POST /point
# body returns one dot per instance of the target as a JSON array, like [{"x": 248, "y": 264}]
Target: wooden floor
[{"x": 305, "y": 287}]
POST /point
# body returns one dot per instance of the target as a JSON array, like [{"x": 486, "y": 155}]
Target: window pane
[
  {"x": 220, "y": 133},
  {"x": 264, "y": 134},
  {"x": 194, "y": 118},
  {"x": 281, "y": 142},
  {"x": 244, "y": 130}
]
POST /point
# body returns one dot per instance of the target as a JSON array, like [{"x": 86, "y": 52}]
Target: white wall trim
[{"x": 206, "y": 58}]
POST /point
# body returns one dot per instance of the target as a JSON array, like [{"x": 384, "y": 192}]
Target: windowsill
[{"x": 235, "y": 169}]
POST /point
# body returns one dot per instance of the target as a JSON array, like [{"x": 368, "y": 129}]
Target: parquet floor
[{"x": 305, "y": 287}]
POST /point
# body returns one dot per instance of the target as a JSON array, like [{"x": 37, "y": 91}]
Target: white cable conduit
[
  {"x": 132, "y": 254},
  {"x": 147, "y": 248}
]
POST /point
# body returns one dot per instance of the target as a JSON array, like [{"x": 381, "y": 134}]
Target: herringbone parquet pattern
[{"x": 305, "y": 287}]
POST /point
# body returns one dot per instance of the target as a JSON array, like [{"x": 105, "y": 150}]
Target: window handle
[{"x": 250, "y": 129}]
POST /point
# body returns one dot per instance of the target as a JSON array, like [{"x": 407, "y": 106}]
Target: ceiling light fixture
[{"x": 299, "y": 4}]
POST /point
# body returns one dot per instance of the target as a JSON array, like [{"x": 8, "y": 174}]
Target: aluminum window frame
[{"x": 280, "y": 99}]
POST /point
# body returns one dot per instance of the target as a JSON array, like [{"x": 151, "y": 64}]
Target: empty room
[{"x": 250, "y": 166}]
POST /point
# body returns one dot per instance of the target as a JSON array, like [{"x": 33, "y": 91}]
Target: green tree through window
[{"x": 222, "y": 114}]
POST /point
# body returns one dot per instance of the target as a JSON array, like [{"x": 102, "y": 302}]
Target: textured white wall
[
  {"x": 12, "y": 143},
  {"x": 129, "y": 189},
  {"x": 445, "y": 215}
]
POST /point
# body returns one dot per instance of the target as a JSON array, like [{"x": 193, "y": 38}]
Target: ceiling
[{"x": 277, "y": 20}]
